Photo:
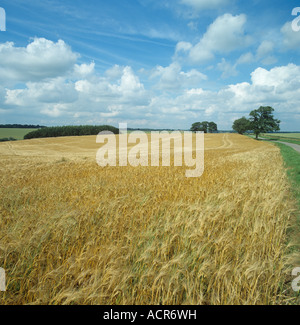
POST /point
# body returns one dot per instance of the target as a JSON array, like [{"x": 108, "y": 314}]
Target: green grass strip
[{"x": 292, "y": 164}]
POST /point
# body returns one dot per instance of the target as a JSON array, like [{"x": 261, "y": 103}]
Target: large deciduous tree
[
  {"x": 263, "y": 121},
  {"x": 199, "y": 127},
  {"x": 204, "y": 127},
  {"x": 212, "y": 127},
  {"x": 241, "y": 125}
]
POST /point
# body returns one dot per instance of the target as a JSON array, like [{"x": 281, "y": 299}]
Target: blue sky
[{"x": 150, "y": 63}]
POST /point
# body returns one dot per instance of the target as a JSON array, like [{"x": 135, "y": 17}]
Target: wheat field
[{"x": 72, "y": 232}]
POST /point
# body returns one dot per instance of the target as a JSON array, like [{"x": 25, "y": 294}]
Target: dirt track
[{"x": 292, "y": 145}]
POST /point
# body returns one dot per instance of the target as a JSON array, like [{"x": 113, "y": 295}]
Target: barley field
[{"x": 72, "y": 232}]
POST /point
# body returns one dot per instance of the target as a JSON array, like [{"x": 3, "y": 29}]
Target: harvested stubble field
[{"x": 72, "y": 232}]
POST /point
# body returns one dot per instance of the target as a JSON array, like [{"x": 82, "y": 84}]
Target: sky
[{"x": 149, "y": 63}]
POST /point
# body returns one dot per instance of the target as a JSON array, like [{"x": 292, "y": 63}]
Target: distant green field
[
  {"x": 14, "y": 133},
  {"x": 283, "y": 135}
]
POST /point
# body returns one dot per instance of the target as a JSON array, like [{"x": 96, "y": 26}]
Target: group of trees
[
  {"x": 63, "y": 131},
  {"x": 7, "y": 139},
  {"x": 260, "y": 121},
  {"x": 206, "y": 127}
]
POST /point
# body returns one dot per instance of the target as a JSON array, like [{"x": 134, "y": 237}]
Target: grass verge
[{"x": 292, "y": 163}]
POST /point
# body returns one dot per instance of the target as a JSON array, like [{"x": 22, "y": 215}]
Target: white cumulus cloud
[
  {"x": 173, "y": 78},
  {"x": 39, "y": 60},
  {"x": 226, "y": 34}
]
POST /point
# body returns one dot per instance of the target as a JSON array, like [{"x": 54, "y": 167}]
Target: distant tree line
[
  {"x": 64, "y": 131},
  {"x": 20, "y": 126},
  {"x": 206, "y": 127},
  {"x": 260, "y": 121}
]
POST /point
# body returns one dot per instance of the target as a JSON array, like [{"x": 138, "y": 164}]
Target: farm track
[
  {"x": 10, "y": 148},
  {"x": 227, "y": 143},
  {"x": 292, "y": 145}
]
